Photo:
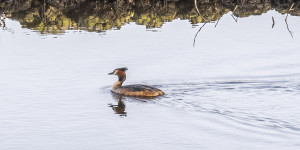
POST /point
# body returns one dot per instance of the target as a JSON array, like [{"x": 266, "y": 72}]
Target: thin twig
[
  {"x": 291, "y": 8},
  {"x": 197, "y": 34},
  {"x": 273, "y": 22},
  {"x": 235, "y": 19},
  {"x": 235, "y": 8},
  {"x": 219, "y": 15},
  {"x": 217, "y": 22},
  {"x": 287, "y": 26},
  {"x": 195, "y": 2}
]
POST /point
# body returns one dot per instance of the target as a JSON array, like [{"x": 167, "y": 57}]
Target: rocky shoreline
[{"x": 55, "y": 16}]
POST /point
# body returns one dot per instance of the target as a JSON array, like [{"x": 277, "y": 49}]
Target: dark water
[{"x": 235, "y": 86}]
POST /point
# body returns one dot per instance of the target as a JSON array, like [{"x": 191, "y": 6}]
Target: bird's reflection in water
[{"x": 120, "y": 107}]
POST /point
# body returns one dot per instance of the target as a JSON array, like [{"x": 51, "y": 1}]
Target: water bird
[{"x": 136, "y": 90}]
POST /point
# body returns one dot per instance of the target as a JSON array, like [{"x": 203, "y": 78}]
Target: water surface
[{"x": 237, "y": 87}]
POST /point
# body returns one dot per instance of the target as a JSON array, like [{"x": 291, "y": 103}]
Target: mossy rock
[
  {"x": 144, "y": 16},
  {"x": 29, "y": 18},
  {"x": 199, "y": 19}
]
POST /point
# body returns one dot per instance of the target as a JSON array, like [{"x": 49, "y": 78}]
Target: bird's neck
[{"x": 119, "y": 83}]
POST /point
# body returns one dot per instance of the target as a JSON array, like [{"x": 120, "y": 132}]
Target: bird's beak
[{"x": 111, "y": 73}]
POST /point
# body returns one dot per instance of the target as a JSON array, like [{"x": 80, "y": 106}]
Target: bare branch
[
  {"x": 235, "y": 19},
  {"x": 219, "y": 15},
  {"x": 235, "y": 8},
  {"x": 197, "y": 34},
  {"x": 287, "y": 26},
  {"x": 291, "y": 8},
  {"x": 273, "y": 22},
  {"x": 217, "y": 22},
  {"x": 196, "y": 3}
]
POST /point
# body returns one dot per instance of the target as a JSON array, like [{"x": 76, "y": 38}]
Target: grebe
[{"x": 137, "y": 90}]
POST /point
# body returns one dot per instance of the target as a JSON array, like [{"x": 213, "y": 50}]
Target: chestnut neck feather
[{"x": 122, "y": 77}]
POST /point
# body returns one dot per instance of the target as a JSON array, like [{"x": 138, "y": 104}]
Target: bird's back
[{"x": 138, "y": 90}]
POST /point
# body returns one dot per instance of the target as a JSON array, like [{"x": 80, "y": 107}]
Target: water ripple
[{"x": 262, "y": 104}]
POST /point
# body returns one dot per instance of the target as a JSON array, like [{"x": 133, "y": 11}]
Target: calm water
[{"x": 238, "y": 87}]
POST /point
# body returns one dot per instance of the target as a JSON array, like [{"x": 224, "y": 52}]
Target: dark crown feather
[{"x": 122, "y": 69}]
